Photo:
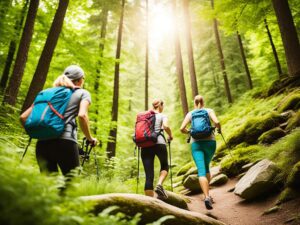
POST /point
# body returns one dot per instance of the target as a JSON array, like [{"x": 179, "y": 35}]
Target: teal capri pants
[{"x": 203, "y": 151}]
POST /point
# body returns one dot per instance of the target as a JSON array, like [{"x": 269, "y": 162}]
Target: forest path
[{"x": 233, "y": 210}]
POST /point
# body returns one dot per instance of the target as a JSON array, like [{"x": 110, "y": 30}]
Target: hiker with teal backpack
[
  {"x": 203, "y": 142},
  {"x": 52, "y": 120},
  {"x": 150, "y": 138}
]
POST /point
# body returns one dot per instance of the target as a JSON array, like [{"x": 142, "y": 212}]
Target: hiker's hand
[
  {"x": 170, "y": 138},
  {"x": 93, "y": 142},
  {"x": 219, "y": 130}
]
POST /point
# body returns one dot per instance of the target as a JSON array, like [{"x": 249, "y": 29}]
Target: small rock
[
  {"x": 241, "y": 175},
  {"x": 247, "y": 166},
  {"x": 231, "y": 189},
  {"x": 272, "y": 210},
  {"x": 192, "y": 183}
]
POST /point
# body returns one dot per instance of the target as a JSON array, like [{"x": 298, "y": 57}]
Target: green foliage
[
  {"x": 293, "y": 122},
  {"x": 293, "y": 179}
]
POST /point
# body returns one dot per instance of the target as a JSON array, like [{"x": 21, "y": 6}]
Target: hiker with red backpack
[
  {"x": 51, "y": 120},
  {"x": 203, "y": 142},
  {"x": 149, "y": 136}
]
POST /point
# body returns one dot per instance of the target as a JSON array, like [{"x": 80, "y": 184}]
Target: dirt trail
[{"x": 233, "y": 210}]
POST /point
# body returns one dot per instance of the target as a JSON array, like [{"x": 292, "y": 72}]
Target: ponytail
[
  {"x": 63, "y": 80},
  {"x": 198, "y": 101}
]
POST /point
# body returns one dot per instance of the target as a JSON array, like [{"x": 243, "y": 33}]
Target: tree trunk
[
  {"x": 222, "y": 62},
  {"x": 179, "y": 66},
  {"x": 104, "y": 19},
  {"x": 12, "y": 46},
  {"x": 12, "y": 90},
  {"x": 111, "y": 145},
  {"x": 151, "y": 209},
  {"x": 278, "y": 66},
  {"x": 40, "y": 75},
  {"x": 189, "y": 44},
  {"x": 244, "y": 60},
  {"x": 289, "y": 36},
  {"x": 147, "y": 58}
]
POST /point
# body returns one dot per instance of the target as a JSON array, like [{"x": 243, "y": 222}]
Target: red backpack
[{"x": 145, "y": 135}]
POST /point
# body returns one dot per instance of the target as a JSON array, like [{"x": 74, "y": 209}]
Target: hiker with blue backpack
[
  {"x": 149, "y": 136},
  {"x": 203, "y": 142},
  {"x": 52, "y": 120}
]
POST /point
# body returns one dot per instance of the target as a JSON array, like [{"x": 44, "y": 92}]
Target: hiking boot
[
  {"x": 208, "y": 203},
  {"x": 212, "y": 200},
  {"x": 161, "y": 194}
]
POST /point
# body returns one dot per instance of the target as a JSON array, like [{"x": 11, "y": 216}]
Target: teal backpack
[
  {"x": 46, "y": 120},
  {"x": 201, "y": 126}
]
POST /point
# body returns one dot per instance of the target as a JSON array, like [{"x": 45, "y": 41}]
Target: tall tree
[
  {"x": 12, "y": 46},
  {"x": 289, "y": 36},
  {"x": 222, "y": 62},
  {"x": 111, "y": 145},
  {"x": 104, "y": 19},
  {"x": 12, "y": 90},
  {"x": 179, "y": 66},
  {"x": 40, "y": 74},
  {"x": 248, "y": 75},
  {"x": 147, "y": 57},
  {"x": 189, "y": 44},
  {"x": 278, "y": 66}
]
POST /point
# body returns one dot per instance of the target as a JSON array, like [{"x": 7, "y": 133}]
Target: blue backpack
[
  {"x": 46, "y": 120},
  {"x": 201, "y": 126}
]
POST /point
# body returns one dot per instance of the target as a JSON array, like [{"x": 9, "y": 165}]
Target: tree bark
[
  {"x": 222, "y": 62},
  {"x": 151, "y": 209},
  {"x": 12, "y": 90},
  {"x": 248, "y": 75},
  {"x": 189, "y": 44},
  {"x": 111, "y": 145},
  {"x": 40, "y": 75},
  {"x": 12, "y": 46},
  {"x": 147, "y": 58},
  {"x": 289, "y": 36},
  {"x": 104, "y": 19},
  {"x": 179, "y": 66},
  {"x": 278, "y": 66}
]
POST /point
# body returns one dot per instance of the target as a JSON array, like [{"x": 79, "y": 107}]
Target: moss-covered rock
[
  {"x": 294, "y": 177},
  {"x": 272, "y": 135},
  {"x": 185, "y": 168},
  {"x": 283, "y": 84},
  {"x": 219, "y": 180},
  {"x": 191, "y": 171},
  {"x": 254, "y": 127},
  {"x": 293, "y": 122},
  {"x": 289, "y": 102},
  {"x": 233, "y": 163},
  {"x": 287, "y": 194},
  {"x": 192, "y": 183},
  {"x": 178, "y": 179}
]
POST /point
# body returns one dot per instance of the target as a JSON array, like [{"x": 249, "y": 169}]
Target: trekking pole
[
  {"x": 226, "y": 144},
  {"x": 138, "y": 174},
  {"x": 24, "y": 153},
  {"x": 169, "y": 143},
  {"x": 97, "y": 165},
  {"x": 87, "y": 152}
]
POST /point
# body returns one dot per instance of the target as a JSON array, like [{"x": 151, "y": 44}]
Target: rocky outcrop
[
  {"x": 258, "y": 180},
  {"x": 151, "y": 209},
  {"x": 272, "y": 135}
]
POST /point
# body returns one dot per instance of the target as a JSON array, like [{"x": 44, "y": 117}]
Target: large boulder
[
  {"x": 258, "y": 180},
  {"x": 151, "y": 209},
  {"x": 219, "y": 180},
  {"x": 272, "y": 135},
  {"x": 191, "y": 171},
  {"x": 177, "y": 200},
  {"x": 192, "y": 183}
]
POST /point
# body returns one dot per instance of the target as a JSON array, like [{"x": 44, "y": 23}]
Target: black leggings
[
  {"x": 57, "y": 152},
  {"x": 148, "y": 154}
]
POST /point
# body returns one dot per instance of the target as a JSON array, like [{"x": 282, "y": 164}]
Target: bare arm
[
  {"x": 25, "y": 115},
  {"x": 84, "y": 121},
  {"x": 215, "y": 120},
  {"x": 167, "y": 129},
  {"x": 185, "y": 122}
]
